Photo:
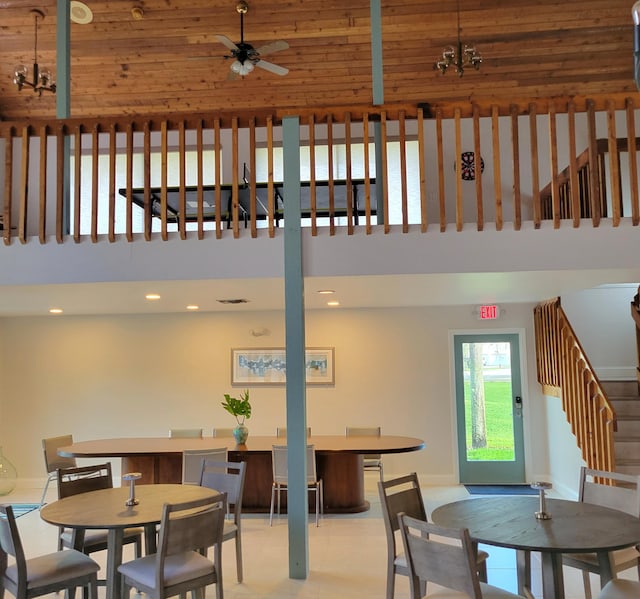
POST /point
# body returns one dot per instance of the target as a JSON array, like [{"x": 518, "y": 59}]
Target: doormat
[
  {"x": 20, "y": 509},
  {"x": 500, "y": 490}
]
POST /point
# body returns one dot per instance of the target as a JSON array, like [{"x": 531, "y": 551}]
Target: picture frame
[{"x": 267, "y": 366}]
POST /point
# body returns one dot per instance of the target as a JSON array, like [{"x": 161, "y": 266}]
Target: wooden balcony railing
[
  {"x": 564, "y": 371},
  {"x": 406, "y": 167}
]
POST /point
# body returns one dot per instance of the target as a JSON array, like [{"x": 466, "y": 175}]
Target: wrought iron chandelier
[
  {"x": 460, "y": 56},
  {"x": 42, "y": 79}
]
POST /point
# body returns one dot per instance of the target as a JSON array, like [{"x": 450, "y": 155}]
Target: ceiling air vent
[{"x": 233, "y": 301}]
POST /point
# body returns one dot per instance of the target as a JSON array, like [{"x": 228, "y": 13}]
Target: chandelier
[
  {"x": 460, "y": 56},
  {"x": 41, "y": 78}
]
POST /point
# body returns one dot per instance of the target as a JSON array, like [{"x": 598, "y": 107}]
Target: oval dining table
[
  {"x": 574, "y": 527},
  {"x": 339, "y": 462},
  {"x": 106, "y": 509}
]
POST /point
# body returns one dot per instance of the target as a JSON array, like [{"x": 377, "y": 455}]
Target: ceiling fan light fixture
[
  {"x": 458, "y": 56},
  {"x": 242, "y": 68},
  {"x": 42, "y": 79}
]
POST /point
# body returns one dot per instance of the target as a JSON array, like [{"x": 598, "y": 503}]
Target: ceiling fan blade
[
  {"x": 272, "y": 47},
  {"x": 273, "y": 68},
  {"x": 223, "y": 39}
]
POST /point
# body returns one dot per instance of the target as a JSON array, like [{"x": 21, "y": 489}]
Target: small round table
[
  {"x": 574, "y": 527},
  {"x": 106, "y": 509}
]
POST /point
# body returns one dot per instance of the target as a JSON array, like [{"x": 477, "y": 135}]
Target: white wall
[
  {"x": 112, "y": 376},
  {"x": 602, "y": 320}
]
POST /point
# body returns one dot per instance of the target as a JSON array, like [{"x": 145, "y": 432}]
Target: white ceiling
[{"x": 381, "y": 291}]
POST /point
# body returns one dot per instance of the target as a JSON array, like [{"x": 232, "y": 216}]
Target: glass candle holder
[
  {"x": 542, "y": 513},
  {"x": 132, "y": 477}
]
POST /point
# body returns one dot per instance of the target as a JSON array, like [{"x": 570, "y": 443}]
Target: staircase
[{"x": 625, "y": 398}]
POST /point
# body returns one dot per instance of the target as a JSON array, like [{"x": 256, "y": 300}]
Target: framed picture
[{"x": 268, "y": 366}]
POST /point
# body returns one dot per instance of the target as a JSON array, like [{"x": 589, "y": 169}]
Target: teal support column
[
  {"x": 297, "y": 502},
  {"x": 377, "y": 77},
  {"x": 63, "y": 102},
  {"x": 63, "y": 59}
]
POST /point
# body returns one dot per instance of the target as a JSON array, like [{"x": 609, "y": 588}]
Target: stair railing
[{"x": 564, "y": 371}]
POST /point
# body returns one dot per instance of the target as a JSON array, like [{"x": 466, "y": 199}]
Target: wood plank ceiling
[{"x": 169, "y": 61}]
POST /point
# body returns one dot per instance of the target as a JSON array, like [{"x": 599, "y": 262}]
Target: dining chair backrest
[
  {"x": 192, "y": 460},
  {"x": 222, "y": 432},
  {"x": 371, "y": 461},
  {"x": 185, "y": 433},
  {"x": 281, "y": 432},
  {"x": 398, "y": 495},
  {"x": 281, "y": 466},
  {"x": 610, "y": 489},
  {"x": 225, "y": 477},
  {"x": 450, "y": 564},
  {"x": 50, "y": 447},
  {"x": 82, "y": 479},
  {"x": 190, "y": 526}
]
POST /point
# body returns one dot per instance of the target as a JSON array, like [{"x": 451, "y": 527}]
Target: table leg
[
  {"x": 523, "y": 569},
  {"x": 114, "y": 559},
  {"x": 606, "y": 567},
  {"x": 552, "y": 580}
]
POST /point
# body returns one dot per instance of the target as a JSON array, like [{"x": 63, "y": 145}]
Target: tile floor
[{"x": 347, "y": 554}]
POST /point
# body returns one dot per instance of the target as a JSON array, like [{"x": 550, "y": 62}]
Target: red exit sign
[{"x": 489, "y": 312}]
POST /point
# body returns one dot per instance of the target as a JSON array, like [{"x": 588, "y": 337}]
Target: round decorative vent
[{"x": 468, "y": 162}]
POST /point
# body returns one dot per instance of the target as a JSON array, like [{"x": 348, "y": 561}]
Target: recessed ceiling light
[
  {"x": 152, "y": 296},
  {"x": 233, "y": 301},
  {"x": 193, "y": 307},
  {"x": 55, "y": 310},
  {"x": 326, "y": 291},
  {"x": 80, "y": 12},
  {"x": 333, "y": 303}
]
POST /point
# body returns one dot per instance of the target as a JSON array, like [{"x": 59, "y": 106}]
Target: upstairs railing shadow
[
  {"x": 377, "y": 169},
  {"x": 564, "y": 371}
]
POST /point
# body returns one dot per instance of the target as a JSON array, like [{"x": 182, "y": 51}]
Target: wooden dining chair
[
  {"x": 185, "y": 433},
  {"x": 83, "y": 479},
  {"x": 371, "y": 461},
  {"x": 281, "y": 478},
  {"x": 449, "y": 563},
  {"x": 619, "y": 588},
  {"x": 222, "y": 432},
  {"x": 53, "y": 461},
  {"x": 45, "y": 574},
  {"x": 228, "y": 477},
  {"x": 281, "y": 432},
  {"x": 403, "y": 495},
  {"x": 180, "y": 565},
  {"x": 619, "y": 492},
  {"x": 192, "y": 460}
]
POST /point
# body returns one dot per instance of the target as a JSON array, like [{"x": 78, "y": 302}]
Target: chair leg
[
  {"x": 44, "y": 492},
  {"x": 273, "y": 490},
  {"x": 218, "y": 564},
  {"x": 586, "y": 580},
  {"x": 317, "y": 503},
  {"x": 381, "y": 473},
  {"x": 391, "y": 579},
  {"x": 482, "y": 571},
  {"x": 138, "y": 548},
  {"x": 239, "y": 556}
]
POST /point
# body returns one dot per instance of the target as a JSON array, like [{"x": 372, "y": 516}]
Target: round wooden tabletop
[
  {"x": 106, "y": 508},
  {"x": 141, "y": 446},
  {"x": 574, "y": 527}
]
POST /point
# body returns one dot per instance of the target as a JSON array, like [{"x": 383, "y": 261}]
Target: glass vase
[
  {"x": 8, "y": 475},
  {"x": 240, "y": 434}
]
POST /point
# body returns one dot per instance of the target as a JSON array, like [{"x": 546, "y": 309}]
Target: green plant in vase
[{"x": 240, "y": 409}]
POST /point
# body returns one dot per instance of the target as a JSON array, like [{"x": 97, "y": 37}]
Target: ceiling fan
[{"x": 245, "y": 56}]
